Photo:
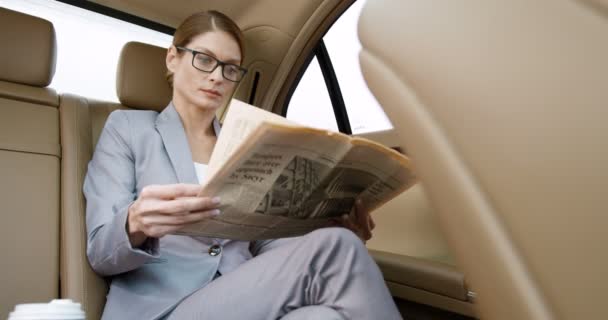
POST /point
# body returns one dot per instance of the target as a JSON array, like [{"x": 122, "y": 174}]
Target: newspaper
[{"x": 280, "y": 179}]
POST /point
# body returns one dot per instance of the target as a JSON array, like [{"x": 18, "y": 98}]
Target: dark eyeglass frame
[{"x": 217, "y": 63}]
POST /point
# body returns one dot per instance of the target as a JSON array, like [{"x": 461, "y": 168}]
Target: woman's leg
[
  {"x": 313, "y": 312},
  {"x": 328, "y": 267}
]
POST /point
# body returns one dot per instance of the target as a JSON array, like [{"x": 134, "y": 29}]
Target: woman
[{"x": 142, "y": 185}]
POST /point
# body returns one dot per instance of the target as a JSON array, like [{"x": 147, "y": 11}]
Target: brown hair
[{"x": 202, "y": 22}]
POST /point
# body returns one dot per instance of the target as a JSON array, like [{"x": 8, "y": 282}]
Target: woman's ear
[{"x": 171, "y": 59}]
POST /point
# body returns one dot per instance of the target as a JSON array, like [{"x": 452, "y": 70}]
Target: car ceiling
[
  {"x": 287, "y": 16},
  {"x": 278, "y": 34}
]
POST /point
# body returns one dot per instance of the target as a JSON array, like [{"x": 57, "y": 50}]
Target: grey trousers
[{"x": 326, "y": 274}]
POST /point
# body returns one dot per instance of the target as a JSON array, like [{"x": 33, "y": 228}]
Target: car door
[{"x": 408, "y": 245}]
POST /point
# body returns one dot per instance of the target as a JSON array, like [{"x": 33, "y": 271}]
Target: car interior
[{"x": 501, "y": 105}]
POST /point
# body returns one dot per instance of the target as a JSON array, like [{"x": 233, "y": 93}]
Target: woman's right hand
[{"x": 163, "y": 209}]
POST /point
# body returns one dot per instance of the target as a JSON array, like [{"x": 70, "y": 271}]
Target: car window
[
  {"x": 88, "y": 45},
  {"x": 310, "y": 103},
  {"x": 364, "y": 112}
]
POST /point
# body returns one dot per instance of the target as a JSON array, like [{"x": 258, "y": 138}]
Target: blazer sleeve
[{"x": 110, "y": 188}]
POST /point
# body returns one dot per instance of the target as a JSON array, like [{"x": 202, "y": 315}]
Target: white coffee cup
[{"x": 58, "y": 309}]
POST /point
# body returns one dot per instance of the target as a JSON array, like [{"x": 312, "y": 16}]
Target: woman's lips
[{"x": 212, "y": 93}]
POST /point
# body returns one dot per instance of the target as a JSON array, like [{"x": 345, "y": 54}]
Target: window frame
[
  {"x": 331, "y": 83},
  {"x": 120, "y": 15},
  {"x": 330, "y": 78},
  {"x": 333, "y": 87}
]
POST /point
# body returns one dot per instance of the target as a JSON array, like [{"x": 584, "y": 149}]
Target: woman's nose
[{"x": 216, "y": 75}]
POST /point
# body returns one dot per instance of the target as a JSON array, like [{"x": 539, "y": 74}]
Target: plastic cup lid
[{"x": 58, "y": 309}]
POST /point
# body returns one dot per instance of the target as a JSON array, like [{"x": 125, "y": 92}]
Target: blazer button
[{"x": 214, "y": 250}]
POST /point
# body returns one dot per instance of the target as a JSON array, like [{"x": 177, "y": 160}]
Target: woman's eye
[
  {"x": 232, "y": 70},
  {"x": 205, "y": 60}
]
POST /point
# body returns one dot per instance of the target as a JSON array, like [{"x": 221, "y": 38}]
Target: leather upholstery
[
  {"x": 407, "y": 225},
  {"x": 423, "y": 274},
  {"x": 42, "y": 96},
  {"x": 29, "y": 162},
  {"x": 139, "y": 85},
  {"x": 29, "y": 127},
  {"x": 502, "y": 106},
  {"x": 78, "y": 281},
  {"x": 427, "y": 282},
  {"x": 28, "y": 49},
  {"x": 140, "y": 78}
]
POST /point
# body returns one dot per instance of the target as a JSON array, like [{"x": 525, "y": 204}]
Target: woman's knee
[
  {"x": 313, "y": 312},
  {"x": 337, "y": 236}
]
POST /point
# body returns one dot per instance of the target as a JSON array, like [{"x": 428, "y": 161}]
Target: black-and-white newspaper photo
[{"x": 279, "y": 179}]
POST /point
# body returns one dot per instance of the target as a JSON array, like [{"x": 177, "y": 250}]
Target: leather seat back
[
  {"x": 29, "y": 162},
  {"x": 503, "y": 108},
  {"x": 141, "y": 84}
]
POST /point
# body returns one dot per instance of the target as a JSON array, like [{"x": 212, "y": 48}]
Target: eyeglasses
[{"x": 207, "y": 63}]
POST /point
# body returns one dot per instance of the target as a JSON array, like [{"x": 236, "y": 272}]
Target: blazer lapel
[{"x": 171, "y": 130}]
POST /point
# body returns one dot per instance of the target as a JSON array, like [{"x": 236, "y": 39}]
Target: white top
[{"x": 201, "y": 171}]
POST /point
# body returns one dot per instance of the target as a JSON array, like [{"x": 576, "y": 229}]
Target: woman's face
[{"x": 207, "y": 90}]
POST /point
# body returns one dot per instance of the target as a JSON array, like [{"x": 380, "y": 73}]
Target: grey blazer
[{"x": 136, "y": 149}]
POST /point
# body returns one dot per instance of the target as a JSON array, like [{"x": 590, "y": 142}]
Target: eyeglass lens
[{"x": 208, "y": 63}]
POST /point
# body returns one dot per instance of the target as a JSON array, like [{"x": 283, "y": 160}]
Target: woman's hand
[
  {"x": 163, "y": 209},
  {"x": 358, "y": 221}
]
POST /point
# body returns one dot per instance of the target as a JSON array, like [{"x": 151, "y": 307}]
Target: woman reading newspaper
[{"x": 142, "y": 185}]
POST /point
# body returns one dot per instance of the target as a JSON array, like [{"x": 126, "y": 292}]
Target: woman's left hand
[{"x": 358, "y": 221}]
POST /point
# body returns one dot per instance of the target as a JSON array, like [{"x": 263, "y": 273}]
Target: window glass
[
  {"x": 310, "y": 103},
  {"x": 88, "y": 46},
  {"x": 364, "y": 112},
  {"x": 343, "y": 45}
]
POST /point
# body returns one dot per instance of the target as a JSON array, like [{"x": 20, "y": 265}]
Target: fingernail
[
  {"x": 215, "y": 212},
  {"x": 216, "y": 200}
]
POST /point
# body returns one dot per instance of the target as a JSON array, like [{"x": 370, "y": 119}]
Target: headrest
[
  {"x": 29, "y": 49},
  {"x": 141, "y": 81}
]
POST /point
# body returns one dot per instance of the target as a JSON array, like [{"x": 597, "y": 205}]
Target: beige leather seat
[
  {"x": 503, "y": 107},
  {"x": 29, "y": 162},
  {"x": 141, "y": 84}
]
